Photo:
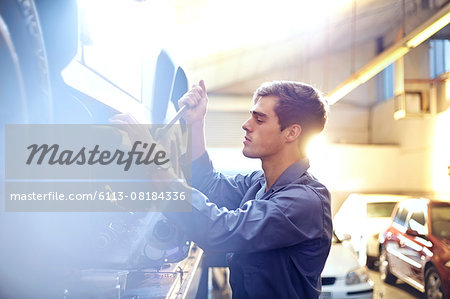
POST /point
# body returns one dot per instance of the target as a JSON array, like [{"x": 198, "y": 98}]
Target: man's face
[{"x": 263, "y": 136}]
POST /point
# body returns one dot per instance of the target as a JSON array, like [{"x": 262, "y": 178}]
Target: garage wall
[
  {"x": 347, "y": 123},
  {"x": 415, "y": 139},
  {"x": 424, "y": 144},
  {"x": 424, "y": 148},
  {"x": 347, "y": 168}
]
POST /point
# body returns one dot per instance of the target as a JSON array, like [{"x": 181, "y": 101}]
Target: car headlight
[{"x": 356, "y": 276}]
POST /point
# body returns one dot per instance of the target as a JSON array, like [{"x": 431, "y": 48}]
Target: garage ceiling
[{"x": 236, "y": 44}]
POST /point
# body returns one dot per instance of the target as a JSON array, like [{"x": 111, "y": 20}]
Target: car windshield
[
  {"x": 380, "y": 209},
  {"x": 440, "y": 220}
]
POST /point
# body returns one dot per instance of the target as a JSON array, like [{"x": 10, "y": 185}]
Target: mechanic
[{"x": 276, "y": 223}]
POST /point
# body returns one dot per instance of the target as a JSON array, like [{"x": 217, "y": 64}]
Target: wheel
[
  {"x": 433, "y": 284},
  {"x": 31, "y": 66},
  {"x": 385, "y": 271}
]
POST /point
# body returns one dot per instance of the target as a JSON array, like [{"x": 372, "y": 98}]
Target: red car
[{"x": 416, "y": 247}]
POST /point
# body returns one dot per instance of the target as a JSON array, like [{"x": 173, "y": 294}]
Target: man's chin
[{"x": 248, "y": 154}]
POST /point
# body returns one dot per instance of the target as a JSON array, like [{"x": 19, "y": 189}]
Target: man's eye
[{"x": 259, "y": 120}]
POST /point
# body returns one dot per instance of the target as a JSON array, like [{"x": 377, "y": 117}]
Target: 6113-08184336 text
[{"x": 99, "y": 195}]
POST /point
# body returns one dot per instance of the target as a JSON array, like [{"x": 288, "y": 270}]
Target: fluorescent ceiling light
[
  {"x": 341, "y": 91},
  {"x": 391, "y": 56},
  {"x": 363, "y": 75},
  {"x": 399, "y": 49},
  {"x": 429, "y": 31}
]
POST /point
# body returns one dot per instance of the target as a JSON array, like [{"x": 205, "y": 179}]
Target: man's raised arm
[{"x": 197, "y": 100}]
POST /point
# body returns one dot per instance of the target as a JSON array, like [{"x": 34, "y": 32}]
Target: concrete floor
[{"x": 400, "y": 290}]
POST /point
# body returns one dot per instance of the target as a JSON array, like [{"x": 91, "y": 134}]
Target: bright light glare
[
  {"x": 224, "y": 25},
  {"x": 399, "y": 114},
  {"x": 316, "y": 146},
  {"x": 122, "y": 35},
  {"x": 126, "y": 24},
  {"x": 317, "y": 153}
]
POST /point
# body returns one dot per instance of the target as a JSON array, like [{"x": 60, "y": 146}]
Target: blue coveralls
[{"x": 278, "y": 240}]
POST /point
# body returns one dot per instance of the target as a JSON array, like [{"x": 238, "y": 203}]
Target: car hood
[{"x": 341, "y": 260}]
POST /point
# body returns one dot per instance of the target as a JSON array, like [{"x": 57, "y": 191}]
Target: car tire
[
  {"x": 433, "y": 284},
  {"x": 385, "y": 270}
]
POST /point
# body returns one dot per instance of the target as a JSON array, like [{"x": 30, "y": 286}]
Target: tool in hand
[{"x": 177, "y": 116}]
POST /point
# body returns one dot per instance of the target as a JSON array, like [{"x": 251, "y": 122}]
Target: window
[
  {"x": 400, "y": 216},
  {"x": 439, "y": 57},
  {"x": 380, "y": 209},
  {"x": 440, "y": 220},
  {"x": 386, "y": 83},
  {"x": 418, "y": 217},
  {"x": 417, "y": 222}
]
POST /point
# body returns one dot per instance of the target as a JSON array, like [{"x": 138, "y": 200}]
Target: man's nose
[{"x": 246, "y": 125}]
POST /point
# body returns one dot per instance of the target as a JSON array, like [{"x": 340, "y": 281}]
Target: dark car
[{"x": 416, "y": 247}]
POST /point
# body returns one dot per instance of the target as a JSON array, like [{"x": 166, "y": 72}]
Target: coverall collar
[{"x": 291, "y": 173}]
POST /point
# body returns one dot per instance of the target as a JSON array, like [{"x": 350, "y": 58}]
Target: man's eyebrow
[{"x": 259, "y": 114}]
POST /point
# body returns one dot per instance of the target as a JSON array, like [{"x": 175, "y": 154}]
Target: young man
[{"x": 275, "y": 223}]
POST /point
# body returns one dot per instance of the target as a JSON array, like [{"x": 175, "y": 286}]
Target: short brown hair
[{"x": 299, "y": 103}]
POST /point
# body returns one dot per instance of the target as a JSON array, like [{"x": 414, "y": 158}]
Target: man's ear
[{"x": 293, "y": 132}]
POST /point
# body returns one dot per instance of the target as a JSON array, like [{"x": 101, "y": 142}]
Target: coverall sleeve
[
  {"x": 224, "y": 191},
  {"x": 293, "y": 217}
]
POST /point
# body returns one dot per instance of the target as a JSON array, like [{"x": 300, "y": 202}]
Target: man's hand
[
  {"x": 139, "y": 132},
  {"x": 197, "y": 100},
  {"x": 134, "y": 130}
]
